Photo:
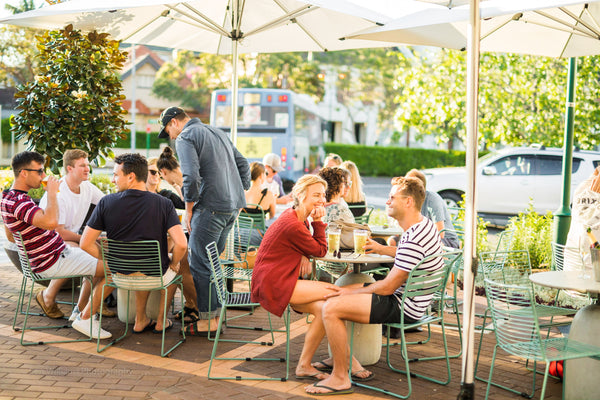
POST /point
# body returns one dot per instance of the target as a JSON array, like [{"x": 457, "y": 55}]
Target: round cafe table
[
  {"x": 581, "y": 375},
  {"x": 367, "y": 337}
]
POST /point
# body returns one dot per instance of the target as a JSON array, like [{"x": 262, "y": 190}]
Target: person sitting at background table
[
  {"x": 436, "y": 210},
  {"x": 338, "y": 182},
  {"x": 170, "y": 168},
  {"x": 272, "y": 163},
  {"x": 261, "y": 196},
  {"x": 170, "y": 171},
  {"x": 379, "y": 302},
  {"x": 355, "y": 195},
  {"x": 585, "y": 214},
  {"x": 153, "y": 185},
  {"x": 283, "y": 259},
  {"x": 332, "y": 160}
]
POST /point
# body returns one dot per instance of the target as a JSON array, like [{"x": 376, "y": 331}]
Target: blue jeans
[{"x": 207, "y": 226}]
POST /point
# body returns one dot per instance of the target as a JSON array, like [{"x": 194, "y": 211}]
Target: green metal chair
[
  {"x": 241, "y": 299},
  {"x": 514, "y": 313},
  {"x": 236, "y": 250},
  {"x": 363, "y": 219},
  {"x": 514, "y": 268},
  {"x": 420, "y": 282},
  {"x": 258, "y": 218},
  {"x": 143, "y": 257},
  {"x": 571, "y": 257},
  {"x": 33, "y": 278}
]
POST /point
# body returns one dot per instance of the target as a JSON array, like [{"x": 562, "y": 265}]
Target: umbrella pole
[
  {"x": 562, "y": 216},
  {"x": 234, "y": 92},
  {"x": 467, "y": 390}
]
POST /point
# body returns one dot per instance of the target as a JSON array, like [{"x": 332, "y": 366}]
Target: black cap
[{"x": 167, "y": 115}]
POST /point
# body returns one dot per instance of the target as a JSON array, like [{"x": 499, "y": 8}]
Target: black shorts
[{"x": 386, "y": 310}]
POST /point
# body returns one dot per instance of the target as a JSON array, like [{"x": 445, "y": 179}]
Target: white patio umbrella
[
  {"x": 221, "y": 26},
  {"x": 555, "y": 28}
]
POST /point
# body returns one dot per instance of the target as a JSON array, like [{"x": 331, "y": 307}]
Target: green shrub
[
  {"x": 5, "y": 124},
  {"x": 533, "y": 232},
  {"x": 140, "y": 140},
  {"x": 394, "y": 161},
  {"x": 104, "y": 183}
]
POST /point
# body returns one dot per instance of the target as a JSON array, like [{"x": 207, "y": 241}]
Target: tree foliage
[
  {"x": 75, "y": 99},
  {"x": 17, "y": 52},
  {"x": 191, "y": 77}
]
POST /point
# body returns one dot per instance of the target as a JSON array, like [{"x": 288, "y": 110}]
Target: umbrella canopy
[
  {"x": 219, "y": 26},
  {"x": 554, "y": 28}
]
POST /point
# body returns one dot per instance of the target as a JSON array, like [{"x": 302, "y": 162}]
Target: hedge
[
  {"x": 140, "y": 141},
  {"x": 394, "y": 161}
]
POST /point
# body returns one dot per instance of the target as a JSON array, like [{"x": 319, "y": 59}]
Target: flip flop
[
  {"x": 169, "y": 326},
  {"x": 332, "y": 391},
  {"x": 151, "y": 325},
  {"x": 311, "y": 376},
  {"x": 357, "y": 378},
  {"x": 323, "y": 367}
]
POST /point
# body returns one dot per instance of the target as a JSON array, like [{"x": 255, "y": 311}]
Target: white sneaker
[
  {"x": 74, "y": 314},
  {"x": 83, "y": 326}
]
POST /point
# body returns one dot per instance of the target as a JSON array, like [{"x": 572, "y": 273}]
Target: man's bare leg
[
  {"x": 170, "y": 293},
  {"x": 336, "y": 311}
]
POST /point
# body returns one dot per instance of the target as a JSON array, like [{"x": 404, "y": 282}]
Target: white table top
[
  {"x": 379, "y": 230},
  {"x": 349, "y": 256},
  {"x": 565, "y": 280}
]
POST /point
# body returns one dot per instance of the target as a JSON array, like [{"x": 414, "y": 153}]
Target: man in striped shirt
[
  {"x": 379, "y": 302},
  {"x": 48, "y": 254}
]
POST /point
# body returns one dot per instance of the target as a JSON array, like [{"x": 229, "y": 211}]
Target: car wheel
[{"x": 451, "y": 198}]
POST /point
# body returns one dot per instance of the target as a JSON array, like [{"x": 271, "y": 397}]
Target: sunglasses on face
[
  {"x": 153, "y": 172},
  {"x": 39, "y": 171}
]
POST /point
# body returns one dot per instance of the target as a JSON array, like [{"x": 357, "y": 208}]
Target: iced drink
[
  {"x": 333, "y": 240},
  {"x": 360, "y": 239}
]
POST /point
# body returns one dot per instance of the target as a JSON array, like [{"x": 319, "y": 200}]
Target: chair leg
[
  {"x": 164, "y": 353},
  {"x": 113, "y": 341},
  {"x": 28, "y": 313}
]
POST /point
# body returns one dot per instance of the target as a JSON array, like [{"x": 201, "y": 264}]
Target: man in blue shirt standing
[{"x": 215, "y": 175}]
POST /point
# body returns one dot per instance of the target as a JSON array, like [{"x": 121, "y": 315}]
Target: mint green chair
[
  {"x": 33, "y": 278},
  {"x": 235, "y": 300},
  {"x": 139, "y": 256},
  {"x": 515, "y": 316}
]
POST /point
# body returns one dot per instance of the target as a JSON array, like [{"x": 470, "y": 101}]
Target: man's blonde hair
[
  {"x": 70, "y": 156},
  {"x": 301, "y": 186},
  {"x": 412, "y": 187}
]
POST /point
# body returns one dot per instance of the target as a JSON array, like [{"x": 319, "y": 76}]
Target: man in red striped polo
[{"x": 48, "y": 254}]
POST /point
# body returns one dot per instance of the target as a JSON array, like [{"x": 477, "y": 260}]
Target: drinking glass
[
  {"x": 360, "y": 239},
  {"x": 333, "y": 240}
]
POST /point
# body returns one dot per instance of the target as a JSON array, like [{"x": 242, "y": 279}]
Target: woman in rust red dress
[{"x": 283, "y": 259}]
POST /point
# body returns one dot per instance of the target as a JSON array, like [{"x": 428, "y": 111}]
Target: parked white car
[{"x": 509, "y": 178}]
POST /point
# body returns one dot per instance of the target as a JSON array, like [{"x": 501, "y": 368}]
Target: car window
[
  {"x": 522, "y": 164},
  {"x": 596, "y": 163},
  {"x": 552, "y": 165}
]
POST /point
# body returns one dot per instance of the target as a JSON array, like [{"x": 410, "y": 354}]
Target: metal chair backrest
[
  {"x": 505, "y": 240},
  {"x": 217, "y": 272},
  {"x": 24, "y": 258},
  {"x": 425, "y": 283},
  {"x": 238, "y": 240},
  {"x": 126, "y": 258},
  {"x": 365, "y": 217},
  {"x": 258, "y": 218},
  {"x": 514, "y": 317},
  {"x": 509, "y": 267},
  {"x": 564, "y": 256}
]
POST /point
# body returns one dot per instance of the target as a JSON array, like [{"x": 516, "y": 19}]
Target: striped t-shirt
[
  {"x": 419, "y": 241},
  {"x": 43, "y": 246}
]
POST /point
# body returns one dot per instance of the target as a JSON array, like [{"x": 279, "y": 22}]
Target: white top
[
  {"x": 565, "y": 280},
  {"x": 73, "y": 207}
]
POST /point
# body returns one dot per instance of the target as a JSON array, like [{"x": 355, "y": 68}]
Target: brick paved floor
[{"x": 133, "y": 369}]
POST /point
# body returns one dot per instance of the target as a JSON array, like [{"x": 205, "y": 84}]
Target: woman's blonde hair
[
  {"x": 301, "y": 186},
  {"x": 356, "y": 193},
  {"x": 152, "y": 161}
]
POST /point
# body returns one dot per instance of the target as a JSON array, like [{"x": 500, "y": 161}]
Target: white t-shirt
[
  {"x": 585, "y": 213},
  {"x": 73, "y": 207}
]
